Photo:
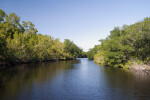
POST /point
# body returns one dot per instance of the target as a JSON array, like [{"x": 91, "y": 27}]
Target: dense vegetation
[
  {"x": 124, "y": 46},
  {"x": 92, "y": 52},
  {"x": 21, "y": 42}
]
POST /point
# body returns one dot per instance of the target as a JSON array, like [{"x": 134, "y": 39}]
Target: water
[{"x": 80, "y": 79}]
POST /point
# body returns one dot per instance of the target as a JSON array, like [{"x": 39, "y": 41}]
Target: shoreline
[
  {"x": 135, "y": 67},
  {"x": 140, "y": 68},
  {"x": 6, "y": 64}
]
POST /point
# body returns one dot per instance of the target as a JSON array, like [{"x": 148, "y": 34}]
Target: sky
[{"x": 82, "y": 21}]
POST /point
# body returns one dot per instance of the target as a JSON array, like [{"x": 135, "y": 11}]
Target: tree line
[
  {"x": 21, "y": 42},
  {"x": 124, "y": 46}
]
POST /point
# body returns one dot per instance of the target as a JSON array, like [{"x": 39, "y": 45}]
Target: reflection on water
[
  {"x": 132, "y": 86},
  {"x": 76, "y": 80}
]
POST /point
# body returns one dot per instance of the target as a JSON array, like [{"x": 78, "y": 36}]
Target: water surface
[{"x": 80, "y": 79}]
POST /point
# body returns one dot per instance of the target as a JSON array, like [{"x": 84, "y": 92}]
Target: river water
[{"x": 80, "y": 79}]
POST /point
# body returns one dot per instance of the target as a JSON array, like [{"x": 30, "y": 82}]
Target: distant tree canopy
[
  {"x": 72, "y": 49},
  {"x": 124, "y": 45},
  {"x": 92, "y": 52},
  {"x": 21, "y": 42}
]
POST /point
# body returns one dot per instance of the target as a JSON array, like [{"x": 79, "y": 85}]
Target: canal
[{"x": 79, "y": 79}]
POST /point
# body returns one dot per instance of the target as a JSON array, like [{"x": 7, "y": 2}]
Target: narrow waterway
[{"x": 80, "y": 79}]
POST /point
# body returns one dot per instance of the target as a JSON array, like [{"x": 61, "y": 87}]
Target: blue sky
[{"x": 82, "y": 21}]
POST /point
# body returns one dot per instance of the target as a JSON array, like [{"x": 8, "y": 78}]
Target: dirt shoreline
[{"x": 140, "y": 68}]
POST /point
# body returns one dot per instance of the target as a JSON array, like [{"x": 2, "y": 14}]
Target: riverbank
[
  {"x": 125, "y": 46},
  {"x": 131, "y": 65},
  {"x": 4, "y": 65},
  {"x": 140, "y": 68}
]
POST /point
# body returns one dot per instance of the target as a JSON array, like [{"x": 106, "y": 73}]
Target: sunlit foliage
[
  {"x": 21, "y": 42},
  {"x": 128, "y": 43}
]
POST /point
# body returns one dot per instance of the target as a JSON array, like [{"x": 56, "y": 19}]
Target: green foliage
[
  {"x": 73, "y": 50},
  {"x": 2, "y": 15},
  {"x": 124, "y": 44},
  {"x": 82, "y": 55},
  {"x": 92, "y": 52},
  {"x": 20, "y": 42},
  {"x": 99, "y": 58}
]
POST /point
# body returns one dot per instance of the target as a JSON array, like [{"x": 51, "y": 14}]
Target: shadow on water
[
  {"x": 22, "y": 77},
  {"x": 127, "y": 85}
]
